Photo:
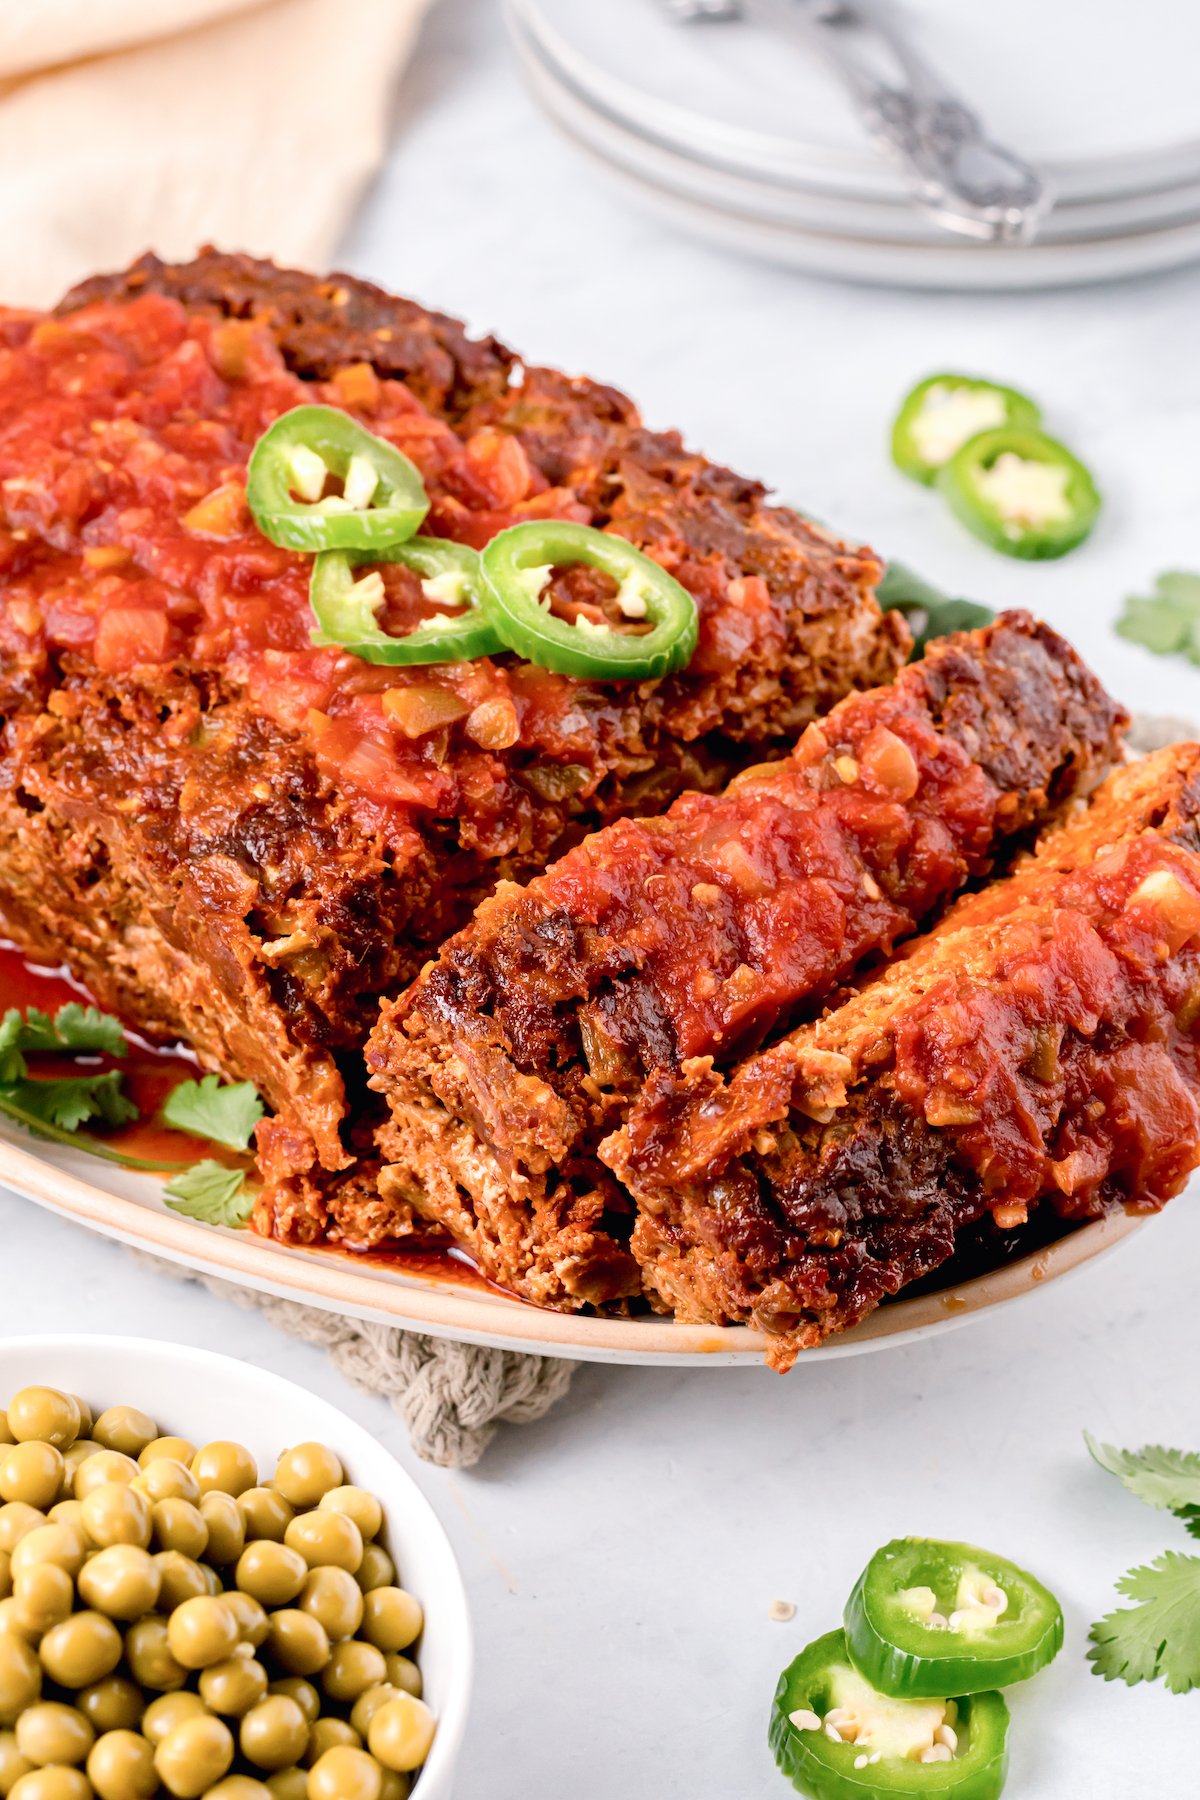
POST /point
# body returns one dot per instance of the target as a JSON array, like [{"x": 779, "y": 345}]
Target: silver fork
[{"x": 953, "y": 168}]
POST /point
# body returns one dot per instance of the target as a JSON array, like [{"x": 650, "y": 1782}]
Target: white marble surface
[{"x": 622, "y": 1555}]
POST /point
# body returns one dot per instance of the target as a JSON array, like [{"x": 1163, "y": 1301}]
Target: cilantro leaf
[
  {"x": 1168, "y": 621},
  {"x": 1159, "y": 1637},
  {"x": 1168, "y": 1479},
  {"x": 73, "y": 1028},
  {"x": 226, "y": 1114},
  {"x": 930, "y": 613},
  {"x": 73, "y": 1100},
  {"x": 213, "y": 1194}
]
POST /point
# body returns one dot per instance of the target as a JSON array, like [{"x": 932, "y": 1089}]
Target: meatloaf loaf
[
  {"x": 237, "y": 838},
  {"x": 657, "y": 942},
  {"x": 1040, "y": 1045}
]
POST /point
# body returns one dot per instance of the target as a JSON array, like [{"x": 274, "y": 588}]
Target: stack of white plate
[{"x": 732, "y": 131}]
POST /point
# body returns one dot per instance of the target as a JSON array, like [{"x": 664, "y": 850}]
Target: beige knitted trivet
[{"x": 452, "y": 1396}]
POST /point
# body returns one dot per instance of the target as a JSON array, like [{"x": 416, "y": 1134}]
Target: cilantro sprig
[
  {"x": 215, "y": 1195},
  {"x": 930, "y": 613},
  {"x": 1166, "y": 622},
  {"x": 57, "y": 1107},
  {"x": 225, "y": 1114},
  {"x": 1158, "y": 1638}
]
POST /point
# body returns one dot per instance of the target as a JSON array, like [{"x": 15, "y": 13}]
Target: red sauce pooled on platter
[{"x": 151, "y": 1072}]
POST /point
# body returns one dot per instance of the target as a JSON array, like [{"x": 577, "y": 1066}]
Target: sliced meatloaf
[
  {"x": 235, "y": 837},
  {"x": 658, "y": 942},
  {"x": 1041, "y": 1046}
]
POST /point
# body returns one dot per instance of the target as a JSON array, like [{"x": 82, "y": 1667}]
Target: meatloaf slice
[
  {"x": 236, "y": 837},
  {"x": 1040, "y": 1046},
  {"x": 695, "y": 935}
]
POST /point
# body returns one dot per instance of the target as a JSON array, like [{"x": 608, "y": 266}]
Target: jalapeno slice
[
  {"x": 344, "y": 606},
  {"x": 929, "y": 1618},
  {"x": 383, "y": 498},
  {"x": 517, "y": 565},
  {"x": 944, "y": 412},
  {"x": 1021, "y": 492},
  {"x": 836, "y": 1738}
]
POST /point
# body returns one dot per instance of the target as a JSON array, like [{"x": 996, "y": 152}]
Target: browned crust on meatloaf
[
  {"x": 262, "y": 926},
  {"x": 752, "y": 1209},
  {"x": 323, "y": 322},
  {"x": 498, "y": 1094}
]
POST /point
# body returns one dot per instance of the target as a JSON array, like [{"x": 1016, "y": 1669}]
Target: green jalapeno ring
[
  {"x": 516, "y": 566},
  {"x": 1076, "y": 507},
  {"x": 345, "y": 613},
  {"x": 826, "y": 1770},
  {"x": 917, "y": 448},
  {"x": 911, "y": 1657},
  {"x": 289, "y": 455}
]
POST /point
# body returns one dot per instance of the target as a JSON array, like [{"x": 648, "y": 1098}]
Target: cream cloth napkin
[{"x": 128, "y": 125}]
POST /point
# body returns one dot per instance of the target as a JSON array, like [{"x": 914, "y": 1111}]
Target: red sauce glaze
[
  {"x": 125, "y": 429},
  {"x": 446, "y": 1267},
  {"x": 1074, "y": 1070},
  {"x": 733, "y": 907}
]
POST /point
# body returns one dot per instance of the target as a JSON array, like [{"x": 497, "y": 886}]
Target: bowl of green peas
[{"x": 214, "y": 1586}]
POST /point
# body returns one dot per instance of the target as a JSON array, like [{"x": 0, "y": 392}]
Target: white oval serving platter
[{"x": 129, "y": 1208}]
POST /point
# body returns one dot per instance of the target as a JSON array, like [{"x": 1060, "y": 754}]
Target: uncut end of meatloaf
[
  {"x": 656, "y": 941},
  {"x": 263, "y": 920},
  {"x": 1039, "y": 1046},
  {"x": 788, "y": 617}
]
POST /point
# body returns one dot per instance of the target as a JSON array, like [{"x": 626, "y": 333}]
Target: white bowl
[{"x": 194, "y": 1394}]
